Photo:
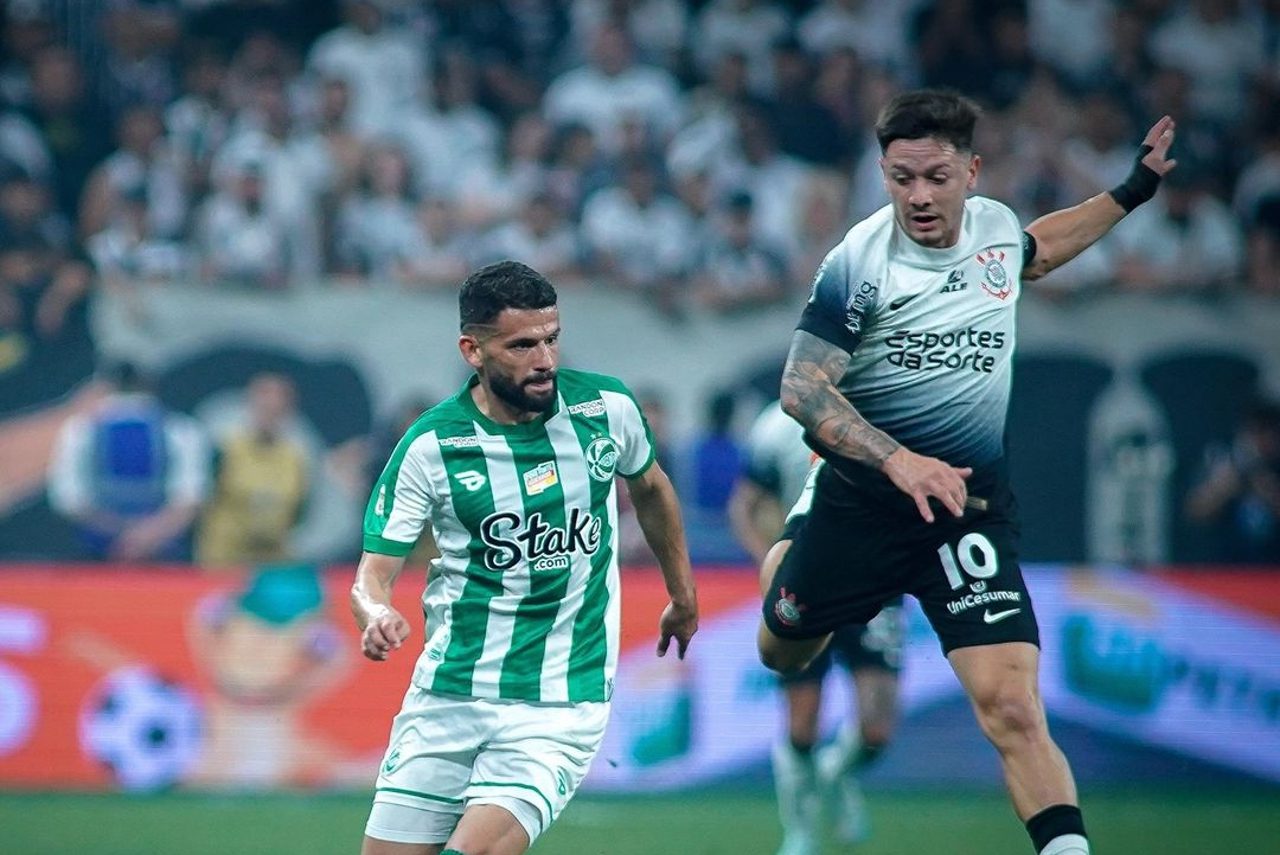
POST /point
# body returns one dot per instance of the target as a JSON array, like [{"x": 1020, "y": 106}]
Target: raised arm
[
  {"x": 810, "y": 396},
  {"x": 658, "y": 511},
  {"x": 1062, "y": 235}
]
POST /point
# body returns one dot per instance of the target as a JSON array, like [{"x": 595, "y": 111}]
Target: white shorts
[{"x": 448, "y": 752}]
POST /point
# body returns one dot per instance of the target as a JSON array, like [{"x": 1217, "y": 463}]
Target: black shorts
[
  {"x": 876, "y": 645},
  {"x": 864, "y": 544}
]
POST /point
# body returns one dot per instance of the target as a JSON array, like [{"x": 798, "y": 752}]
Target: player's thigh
[
  {"x": 772, "y": 560},
  {"x": 535, "y": 759},
  {"x": 494, "y": 828},
  {"x": 838, "y": 570},
  {"x": 374, "y": 846},
  {"x": 970, "y": 586},
  {"x": 424, "y": 775}
]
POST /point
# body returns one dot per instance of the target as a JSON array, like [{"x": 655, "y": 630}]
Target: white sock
[
  {"x": 796, "y": 780},
  {"x": 1066, "y": 844},
  {"x": 839, "y": 755}
]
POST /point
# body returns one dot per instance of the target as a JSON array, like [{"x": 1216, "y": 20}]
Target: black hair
[
  {"x": 942, "y": 114},
  {"x": 502, "y": 285}
]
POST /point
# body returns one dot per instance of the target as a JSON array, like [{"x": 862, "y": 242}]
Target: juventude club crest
[
  {"x": 995, "y": 279},
  {"x": 602, "y": 458}
]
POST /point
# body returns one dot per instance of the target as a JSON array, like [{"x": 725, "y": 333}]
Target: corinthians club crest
[{"x": 995, "y": 279}]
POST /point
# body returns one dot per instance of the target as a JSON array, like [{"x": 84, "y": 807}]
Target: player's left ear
[{"x": 975, "y": 166}]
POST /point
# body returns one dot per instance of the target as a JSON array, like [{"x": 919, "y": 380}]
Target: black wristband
[{"x": 1140, "y": 186}]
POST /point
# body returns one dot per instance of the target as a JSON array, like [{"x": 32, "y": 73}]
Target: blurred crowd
[{"x": 702, "y": 152}]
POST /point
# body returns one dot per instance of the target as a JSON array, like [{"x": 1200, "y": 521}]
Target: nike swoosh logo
[
  {"x": 988, "y": 617},
  {"x": 901, "y": 301}
]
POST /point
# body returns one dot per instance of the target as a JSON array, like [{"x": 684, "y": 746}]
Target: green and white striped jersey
[{"x": 523, "y": 601}]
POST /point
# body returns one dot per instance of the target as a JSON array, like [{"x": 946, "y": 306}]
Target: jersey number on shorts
[{"x": 977, "y": 556}]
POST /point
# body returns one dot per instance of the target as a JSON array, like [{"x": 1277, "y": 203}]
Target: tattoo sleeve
[{"x": 810, "y": 396}]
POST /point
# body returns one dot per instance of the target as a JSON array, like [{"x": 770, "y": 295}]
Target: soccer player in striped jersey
[
  {"x": 900, "y": 373},
  {"x": 516, "y": 476}
]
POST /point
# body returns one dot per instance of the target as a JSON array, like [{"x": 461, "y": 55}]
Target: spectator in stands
[
  {"x": 659, "y": 28},
  {"x": 773, "y": 179},
  {"x": 344, "y": 148},
  {"x": 1219, "y": 48},
  {"x": 1264, "y": 248},
  {"x": 806, "y": 128},
  {"x": 128, "y": 252},
  {"x": 383, "y": 65},
  {"x": 578, "y": 168},
  {"x": 198, "y": 123},
  {"x": 238, "y": 241},
  {"x": 139, "y": 38},
  {"x": 74, "y": 128},
  {"x": 611, "y": 87},
  {"x": 638, "y": 237},
  {"x": 296, "y": 170},
  {"x": 495, "y": 191},
  {"x": 876, "y": 32},
  {"x": 1082, "y": 58},
  {"x": 443, "y": 251},
  {"x": 738, "y": 270},
  {"x": 1185, "y": 240},
  {"x": 261, "y": 476},
  {"x": 1239, "y": 493},
  {"x": 449, "y": 136},
  {"x": 43, "y": 284},
  {"x": 822, "y": 224},
  {"x": 1098, "y": 154},
  {"x": 540, "y": 238},
  {"x": 131, "y": 474},
  {"x": 144, "y": 160},
  {"x": 377, "y": 227},
  {"x": 747, "y": 27}
]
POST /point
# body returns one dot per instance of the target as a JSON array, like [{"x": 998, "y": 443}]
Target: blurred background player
[{"x": 807, "y": 778}]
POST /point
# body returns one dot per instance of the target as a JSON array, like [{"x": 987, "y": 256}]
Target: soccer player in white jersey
[
  {"x": 899, "y": 371},
  {"x": 779, "y": 473},
  {"x": 516, "y": 476}
]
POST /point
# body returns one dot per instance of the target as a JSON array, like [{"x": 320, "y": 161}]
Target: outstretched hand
[{"x": 1160, "y": 138}]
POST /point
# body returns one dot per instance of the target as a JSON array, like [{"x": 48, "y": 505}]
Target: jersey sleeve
[
  {"x": 841, "y": 300},
  {"x": 630, "y": 429},
  {"x": 401, "y": 502}
]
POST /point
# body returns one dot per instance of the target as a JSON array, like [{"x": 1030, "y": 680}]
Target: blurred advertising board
[{"x": 113, "y": 677}]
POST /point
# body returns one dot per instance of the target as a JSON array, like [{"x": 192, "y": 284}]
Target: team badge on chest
[
  {"x": 540, "y": 478},
  {"x": 995, "y": 279}
]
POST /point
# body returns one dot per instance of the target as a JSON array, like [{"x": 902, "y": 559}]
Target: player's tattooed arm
[{"x": 810, "y": 396}]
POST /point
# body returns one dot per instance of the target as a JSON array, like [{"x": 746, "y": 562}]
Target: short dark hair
[
  {"x": 502, "y": 285},
  {"x": 942, "y": 114}
]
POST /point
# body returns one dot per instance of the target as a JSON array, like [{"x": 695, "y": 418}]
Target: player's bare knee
[
  {"x": 778, "y": 660},
  {"x": 1010, "y": 715}
]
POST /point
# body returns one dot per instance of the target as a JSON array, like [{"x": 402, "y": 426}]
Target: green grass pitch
[{"x": 698, "y": 823}]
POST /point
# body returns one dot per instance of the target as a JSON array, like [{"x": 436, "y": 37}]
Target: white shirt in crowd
[
  {"x": 384, "y": 70},
  {"x": 588, "y": 96},
  {"x": 646, "y": 242}
]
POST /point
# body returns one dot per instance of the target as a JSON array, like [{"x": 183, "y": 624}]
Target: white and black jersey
[{"x": 930, "y": 331}]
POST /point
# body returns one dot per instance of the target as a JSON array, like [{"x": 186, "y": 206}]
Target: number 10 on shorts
[{"x": 976, "y": 554}]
